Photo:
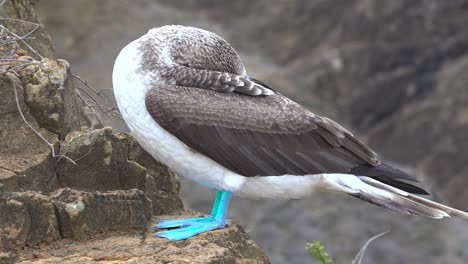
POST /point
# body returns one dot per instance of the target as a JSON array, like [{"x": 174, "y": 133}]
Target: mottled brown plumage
[{"x": 203, "y": 96}]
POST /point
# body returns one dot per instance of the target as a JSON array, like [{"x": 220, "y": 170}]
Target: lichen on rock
[{"x": 43, "y": 91}]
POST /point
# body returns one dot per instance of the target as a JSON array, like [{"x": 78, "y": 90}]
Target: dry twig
[
  {"x": 10, "y": 64},
  {"x": 360, "y": 254},
  {"x": 15, "y": 84},
  {"x": 10, "y": 70},
  {"x": 111, "y": 110},
  {"x": 18, "y": 38}
]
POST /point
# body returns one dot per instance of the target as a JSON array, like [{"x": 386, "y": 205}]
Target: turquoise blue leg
[
  {"x": 190, "y": 221},
  {"x": 192, "y": 226}
]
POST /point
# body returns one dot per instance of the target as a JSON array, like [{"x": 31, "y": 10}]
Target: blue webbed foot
[
  {"x": 182, "y": 222},
  {"x": 191, "y": 228}
]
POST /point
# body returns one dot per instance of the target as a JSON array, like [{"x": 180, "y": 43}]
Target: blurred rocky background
[{"x": 394, "y": 72}]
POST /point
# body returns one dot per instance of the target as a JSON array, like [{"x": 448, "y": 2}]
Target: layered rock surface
[
  {"x": 230, "y": 245},
  {"x": 98, "y": 196}
]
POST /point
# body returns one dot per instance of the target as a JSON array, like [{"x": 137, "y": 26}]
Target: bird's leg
[
  {"x": 192, "y": 226},
  {"x": 188, "y": 221},
  {"x": 216, "y": 203}
]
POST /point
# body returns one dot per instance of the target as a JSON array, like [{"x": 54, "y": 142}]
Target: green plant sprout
[{"x": 317, "y": 250}]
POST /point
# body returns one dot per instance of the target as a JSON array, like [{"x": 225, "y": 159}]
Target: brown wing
[{"x": 264, "y": 135}]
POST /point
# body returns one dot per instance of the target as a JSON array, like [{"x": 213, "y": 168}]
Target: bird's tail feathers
[{"x": 384, "y": 195}]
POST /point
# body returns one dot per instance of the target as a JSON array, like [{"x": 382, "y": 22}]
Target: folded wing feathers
[
  {"x": 221, "y": 81},
  {"x": 240, "y": 85},
  {"x": 338, "y": 136},
  {"x": 363, "y": 187}
]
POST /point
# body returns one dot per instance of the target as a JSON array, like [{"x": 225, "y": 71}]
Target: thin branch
[
  {"x": 6, "y": 60},
  {"x": 23, "y": 65},
  {"x": 86, "y": 154},
  {"x": 14, "y": 85},
  {"x": 22, "y": 40},
  {"x": 110, "y": 109},
  {"x": 119, "y": 116},
  {"x": 2, "y": 2},
  {"x": 93, "y": 103},
  {"x": 30, "y": 32},
  {"x": 80, "y": 96},
  {"x": 360, "y": 254},
  {"x": 92, "y": 99},
  {"x": 36, "y": 26},
  {"x": 103, "y": 90},
  {"x": 7, "y": 36},
  {"x": 18, "y": 20},
  {"x": 88, "y": 86}
]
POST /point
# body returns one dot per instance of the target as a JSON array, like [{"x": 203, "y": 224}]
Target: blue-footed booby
[{"x": 188, "y": 100}]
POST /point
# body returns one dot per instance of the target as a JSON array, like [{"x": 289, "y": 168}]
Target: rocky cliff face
[
  {"x": 86, "y": 190},
  {"x": 392, "y": 71}
]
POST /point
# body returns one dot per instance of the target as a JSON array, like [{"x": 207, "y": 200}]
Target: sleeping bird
[{"x": 187, "y": 99}]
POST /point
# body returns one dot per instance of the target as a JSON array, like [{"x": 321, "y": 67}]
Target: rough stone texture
[
  {"x": 27, "y": 218},
  {"x": 111, "y": 190},
  {"x": 82, "y": 214},
  {"x": 45, "y": 97},
  {"x": 7, "y": 257},
  {"x": 107, "y": 161},
  {"x": 8, "y": 181},
  {"x": 230, "y": 245},
  {"x": 15, "y": 223},
  {"x": 393, "y": 71},
  {"x": 48, "y": 89},
  {"x": 44, "y": 226},
  {"x": 51, "y": 97},
  {"x": 16, "y": 11},
  {"x": 101, "y": 162},
  {"x": 25, "y": 157}
]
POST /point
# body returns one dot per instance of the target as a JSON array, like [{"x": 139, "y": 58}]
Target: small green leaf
[{"x": 318, "y": 252}]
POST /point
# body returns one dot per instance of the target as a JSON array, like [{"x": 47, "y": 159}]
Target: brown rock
[
  {"x": 8, "y": 181},
  {"x": 107, "y": 161},
  {"x": 15, "y": 223},
  {"x": 7, "y": 257},
  {"x": 22, "y": 152},
  {"x": 164, "y": 178},
  {"x": 41, "y": 212},
  {"x": 95, "y": 167},
  {"x": 27, "y": 219},
  {"x": 162, "y": 185},
  {"x": 82, "y": 214},
  {"x": 52, "y": 98},
  {"x": 23, "y": 10},
  {"x": 229, "y": 245}
]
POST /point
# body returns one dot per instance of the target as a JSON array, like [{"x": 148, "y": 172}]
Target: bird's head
[
  {"x": 175, "y": 48},
  {"x": 193, "y": 57}
]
